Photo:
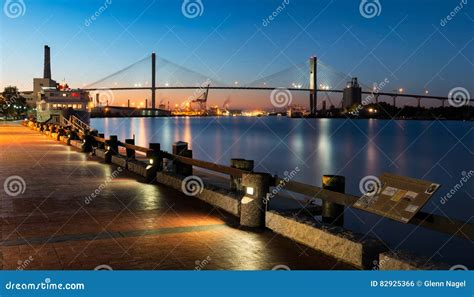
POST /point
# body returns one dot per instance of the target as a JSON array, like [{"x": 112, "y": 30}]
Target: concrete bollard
[
  {"x": 252, "y": 208},
  {"x": 130, "y": 152},
  {"x": 236, "y": 182},
  {"x": 180, "y": 148},
  {"x": 111, "y": 148},
  {"x": 333, "y": 213},
  {"x": 155, "y": 162}
]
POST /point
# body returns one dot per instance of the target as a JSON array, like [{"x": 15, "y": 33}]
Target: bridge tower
[
  {"x": 153, "y": 80},
  {"x": 313, "y": 85}
]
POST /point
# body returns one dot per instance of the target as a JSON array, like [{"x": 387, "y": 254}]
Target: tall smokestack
[{"x": 47, "y": 62}]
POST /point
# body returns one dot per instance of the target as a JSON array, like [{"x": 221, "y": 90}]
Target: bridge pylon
[
  {"x": 153, "y": 81},
  {"x": 313, "y": 85}
]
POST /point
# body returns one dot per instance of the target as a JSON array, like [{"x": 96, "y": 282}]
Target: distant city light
[
  {"x": 297, "y": 85},
  {"x": 400, "y": 90},
  {"x": 372, "y": 110}
]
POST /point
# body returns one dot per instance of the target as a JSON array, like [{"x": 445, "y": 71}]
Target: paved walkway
[{"x": 49, "y": 220}]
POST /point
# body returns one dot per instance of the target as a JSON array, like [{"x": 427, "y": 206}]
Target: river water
[{"x": 438, "y": 151}]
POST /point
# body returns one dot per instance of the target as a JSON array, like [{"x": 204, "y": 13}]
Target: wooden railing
[
  {"x": 427, "y": 220},
  {"x": 64, "y": 121},
  {"x": 78, "y": 123},
  {"x": 430, "y": 221},
  {"x": 134, "y": 147},
  {"x": 234, "y": 172}
]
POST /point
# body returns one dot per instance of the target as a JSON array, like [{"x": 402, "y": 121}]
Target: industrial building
[{"x": 352, "y": 94}]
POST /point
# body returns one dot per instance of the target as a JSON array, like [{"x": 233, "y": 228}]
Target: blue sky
[{"x": 405, "y": 43}]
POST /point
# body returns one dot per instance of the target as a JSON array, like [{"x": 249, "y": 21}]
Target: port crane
[{"x": 202, "y": 100}]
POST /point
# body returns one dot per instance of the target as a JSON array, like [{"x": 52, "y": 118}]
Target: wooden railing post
[
  {"x": 155, "y": 162},
  {"x": 252, "y": 208},
  {"x": 180, "y": 148},
  {"x": 188, "y": 169},
  {"x": 88, "y": 141},
  {"x": 242, "y": 164},
  {"x": 61, "y": 132},
  {"x": 333, "y": 213},
  {"x": 101, "y": 145},
  {"x": 130, "y": 152},
  {"x": 73, "y": 135},
  {"x": 111, "y": 148}
]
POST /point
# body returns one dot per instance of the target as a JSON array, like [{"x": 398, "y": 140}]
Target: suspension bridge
[{"x": 314, "y": 77}]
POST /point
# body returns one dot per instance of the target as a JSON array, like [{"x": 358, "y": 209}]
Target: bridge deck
[{"x": 129, "y": 225}]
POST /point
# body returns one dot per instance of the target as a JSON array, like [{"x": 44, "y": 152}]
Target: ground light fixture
[{"x": 249, "y": 190}]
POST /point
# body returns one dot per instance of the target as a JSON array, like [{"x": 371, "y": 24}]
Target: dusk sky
[{"x": 406, "y": 43}]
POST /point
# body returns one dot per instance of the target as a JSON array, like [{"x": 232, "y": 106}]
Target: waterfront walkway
[{"x": 56, "y": 223}]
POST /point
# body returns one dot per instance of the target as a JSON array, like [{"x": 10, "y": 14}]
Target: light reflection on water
[{"x": 435, "y": 151}]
